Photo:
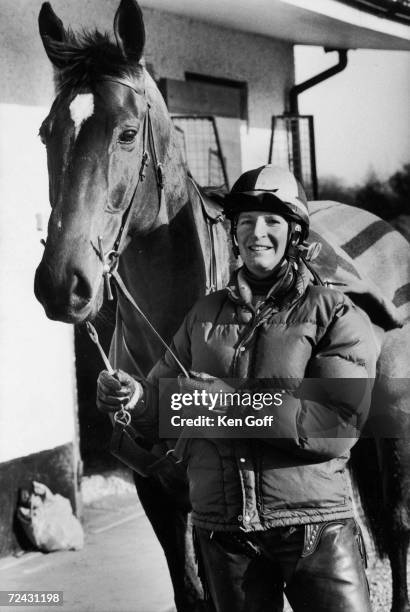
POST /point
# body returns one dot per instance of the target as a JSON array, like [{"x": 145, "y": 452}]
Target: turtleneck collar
[{"x": 262, "y": 286}]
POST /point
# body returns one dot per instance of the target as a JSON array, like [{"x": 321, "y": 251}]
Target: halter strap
[
  {"x": 139, "y": 92},
  {"x": 110, "y": 259},
  {"x": 126, "y": 218},
  {"x": 148, "y": 142}
]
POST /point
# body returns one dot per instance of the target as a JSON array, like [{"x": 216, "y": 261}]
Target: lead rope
[
  {"x": 131, "y": 300},
  {"x": 110, "y": 259},
  {"x": 110, "y": 270}
]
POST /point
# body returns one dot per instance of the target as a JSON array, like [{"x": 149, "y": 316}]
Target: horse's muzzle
[{"x": 68, "y": 299}]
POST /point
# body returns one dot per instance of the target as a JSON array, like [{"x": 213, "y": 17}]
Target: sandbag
[{"x": 48, "y": 520}]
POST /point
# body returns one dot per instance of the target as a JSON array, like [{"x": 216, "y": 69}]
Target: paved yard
[{"x": 121, "y": 568}]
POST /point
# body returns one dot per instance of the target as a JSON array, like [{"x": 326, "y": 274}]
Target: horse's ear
[
  {"x": 51, "y": 30},
  {"x": 129, "y": 29}
]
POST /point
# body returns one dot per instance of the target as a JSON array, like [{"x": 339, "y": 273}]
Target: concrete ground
[{"x": 121, "y": 567}]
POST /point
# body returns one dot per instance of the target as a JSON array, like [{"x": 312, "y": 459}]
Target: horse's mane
[{"x": 83, "y": 58}]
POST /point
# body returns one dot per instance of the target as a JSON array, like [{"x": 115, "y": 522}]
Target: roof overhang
[{"x": 327, "y": 23}]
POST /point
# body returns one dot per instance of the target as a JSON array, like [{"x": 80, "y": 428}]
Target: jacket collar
[{"x": 281, "y": 297}]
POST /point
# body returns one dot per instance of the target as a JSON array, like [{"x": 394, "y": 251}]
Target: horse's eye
[{"x": 127, "y": 136}]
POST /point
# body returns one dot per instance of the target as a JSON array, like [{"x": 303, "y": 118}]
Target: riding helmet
[{"x": 272, "y": 189}]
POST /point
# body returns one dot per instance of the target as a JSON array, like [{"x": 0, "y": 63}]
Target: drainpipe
[
  {"x": 294, "y": 110},
  {"x": 298, "y": 89}
]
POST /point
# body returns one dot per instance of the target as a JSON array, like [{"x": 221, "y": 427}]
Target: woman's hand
[{"x": 117, "y": 390}]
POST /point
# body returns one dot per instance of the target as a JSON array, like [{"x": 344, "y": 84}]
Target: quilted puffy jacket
[{"x": 296, "y": 477}]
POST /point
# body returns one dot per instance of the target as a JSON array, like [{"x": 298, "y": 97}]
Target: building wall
[{"x": 176, "y": 45}]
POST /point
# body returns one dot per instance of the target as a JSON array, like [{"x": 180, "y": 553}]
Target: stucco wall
[
  {"x": 176, "y": 45},
  {"x": 37, "y": 357}
]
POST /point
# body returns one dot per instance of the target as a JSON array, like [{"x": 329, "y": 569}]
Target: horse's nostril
[
  {"x": 80, "y": 287},
  {"x": 44, "y": 284}
]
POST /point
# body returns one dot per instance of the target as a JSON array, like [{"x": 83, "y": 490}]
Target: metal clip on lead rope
[
  {"x": 122, "y": 415},
  {"x": 92, "y": 332}
]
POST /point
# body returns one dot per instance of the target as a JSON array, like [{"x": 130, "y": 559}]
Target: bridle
[{"x": 110, "y": 259}]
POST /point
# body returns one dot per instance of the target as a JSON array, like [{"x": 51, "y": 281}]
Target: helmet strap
[
  {"x": 295, "y": 237},
  {"x": 295, "y": 250},
  {"x": 235, "y": 245}
]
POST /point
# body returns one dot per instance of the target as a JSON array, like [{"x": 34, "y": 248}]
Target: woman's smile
[{"x": 259, "y": 247}]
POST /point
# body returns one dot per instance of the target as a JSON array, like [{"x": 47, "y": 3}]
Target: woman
[{"x": 272, "y": 514}]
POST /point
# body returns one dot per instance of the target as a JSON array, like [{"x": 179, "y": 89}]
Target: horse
[{"x": 115, "y": 211}]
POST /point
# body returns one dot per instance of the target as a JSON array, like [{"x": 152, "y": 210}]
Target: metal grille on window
[
  {"x": 292, "y": 146},
  {"x": 201, "y": 150}
]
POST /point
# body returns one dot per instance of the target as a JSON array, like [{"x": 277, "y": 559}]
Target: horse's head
[{"x": 96, "y": 133}]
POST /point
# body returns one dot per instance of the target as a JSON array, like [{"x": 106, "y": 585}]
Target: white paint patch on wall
[
  {"x": 37, "y": 376},
  {"x": 81, "y": 109}
]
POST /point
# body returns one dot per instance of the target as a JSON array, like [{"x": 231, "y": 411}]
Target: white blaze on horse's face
[{"x": 81, "y": 109}]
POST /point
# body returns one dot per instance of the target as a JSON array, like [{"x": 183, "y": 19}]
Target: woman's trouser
[{"x": 319, "y": 567}]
